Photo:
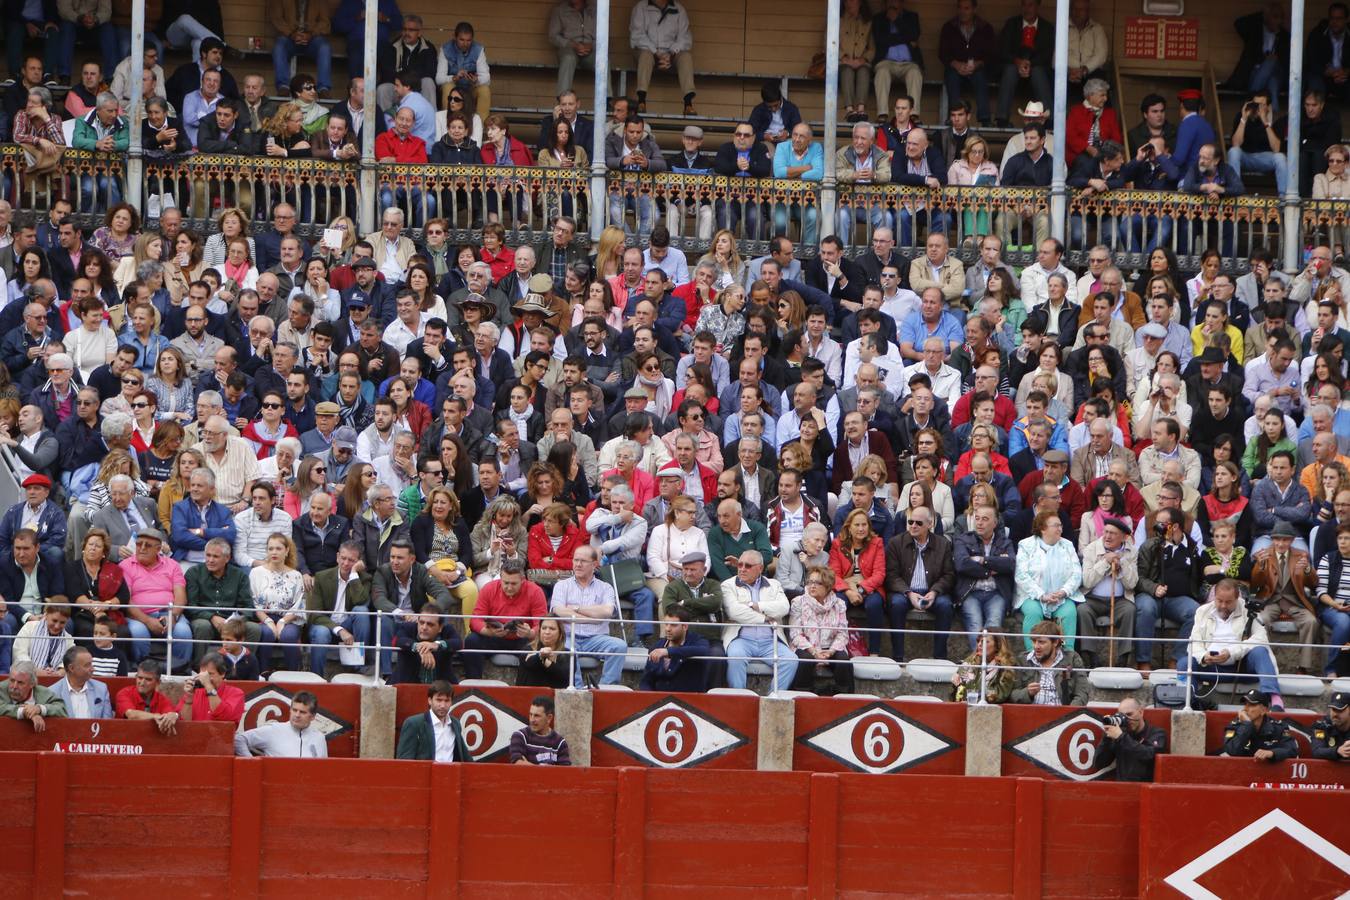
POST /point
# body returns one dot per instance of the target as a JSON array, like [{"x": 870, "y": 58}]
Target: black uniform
[
  {"x": 1244, "y": 739},
  {"x": 1132, "y": 753},
  {"x": 1327, "y": 738}
]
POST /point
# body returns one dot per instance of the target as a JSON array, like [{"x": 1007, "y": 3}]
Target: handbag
[
  {"x": 817, "y": 67},
  {"x": 625, "y": 576},
  {"x": 857, "y": 644}
]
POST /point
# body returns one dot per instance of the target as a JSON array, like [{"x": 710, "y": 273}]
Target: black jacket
[
  {"x": 241, "y": 140},
  {"x": 904, "y": 30},
  {"x": 1068, "y": 321},
  {"x": 761, "y": 166},
  {"x": 813, "y": 273},
  {"x": 1250, "y": 30},
  {"x": 1133, "y": 754},
  {"x": 312, "y": 553},
  {"x": 1042, "y": 51},
  {"x": 188, "y": 78}
]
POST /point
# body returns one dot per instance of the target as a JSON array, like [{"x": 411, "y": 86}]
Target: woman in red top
[
  {"x": 408, "y": 413},
  {"x": 982, "y": 440},
  {"x": 552, "y": 542},
  {"x": 499, "y": 257},
  {"x": 500, "y": 149},
  {"x": 1078, "y": 127},
  {"x": 858, "y": 560},
  {"x": 143, "y": 408}
]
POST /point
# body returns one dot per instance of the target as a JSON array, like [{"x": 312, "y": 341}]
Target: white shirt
[
  {"x": 77, "y": 701},
  {"x": 370, "y": 446},
  {"x": 445, "y": 739},
  {"x": 281, "y": 739},
  {"x": 339, "y": 613},
  {"x": 398, "y": 335}
]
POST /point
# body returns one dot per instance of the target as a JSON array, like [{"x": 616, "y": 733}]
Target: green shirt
[{"x": 225, "y": 595}]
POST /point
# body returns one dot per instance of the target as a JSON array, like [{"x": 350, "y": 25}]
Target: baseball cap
[
  {"x": 344, "y": 438},
  {"x": 1256, "y": 696},
  {"x": 1339, "y": 700},
  {"x": 693, "y": 132}
]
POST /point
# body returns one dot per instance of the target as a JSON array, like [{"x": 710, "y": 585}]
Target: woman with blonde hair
[
  {"x": 285, "y": 133},
  {"x": 981, "y": 494},
  {"x": 608, "y": 260},
  {"x": 858, "y": 562},
  {"x": 117, "y": 462},
  {"x": 974, "y": 168},
  {"x": 231, "y": 222},
  {"x": 342, "y": 255},
  {"x": 499, "y": 535},
  {"x": 279, "y": 602},
  {"x": 988, "y": 673},
  {"x": 670, "y": 541},
  {"x": 176, "y": 487},
  {"x": 791, "y": 312},
  {"x": 148, "y": 245},
  {"x": 874, "y": 467},
  {"x": 722, "y": 254},
  {"x": 548, "y": 663},
  {"x": 440, "y": 540}
]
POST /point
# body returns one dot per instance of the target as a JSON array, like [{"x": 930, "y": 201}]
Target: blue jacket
[
  {"x": 80, "y": 444},
  {"x": 51, "y": 579},
  {"x": 1193, "y": 132},
  {"x": 761, "y": 116},
  {"x": 380, "y": 298},
  {"x": 219, "y": 524},
  {"x": 1223, "y": 174},
  {"x": 783, "y": 157},
  {"x": 1009, "y": 500},
  {"x": 350, "y": 21},
  {"x": 51, "y": 526},
  {"x": 998, "y": 566},
  {"x": 100, "y": 704},
  {"x": 682, "y": 670}
]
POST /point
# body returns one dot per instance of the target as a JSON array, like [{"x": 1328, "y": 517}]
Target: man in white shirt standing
[{"x": 298, "y": 738}]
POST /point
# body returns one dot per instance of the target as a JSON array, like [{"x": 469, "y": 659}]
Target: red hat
[
  {"x": 38, "y": 481},
  {"x": 1189, "y": 94}
]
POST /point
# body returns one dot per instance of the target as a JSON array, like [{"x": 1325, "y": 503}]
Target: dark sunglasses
[{"x": 271, "y": 406}]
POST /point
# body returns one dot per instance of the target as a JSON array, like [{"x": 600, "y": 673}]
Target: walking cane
[{"x": 1111, "y": 628}]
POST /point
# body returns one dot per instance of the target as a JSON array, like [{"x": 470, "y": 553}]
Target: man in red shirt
[
  {"x": 143, "y": 699},
  {"x": 399, "y": 144},
  {"x": 208, "y": 698},
  {"x": 509, "y": 601}
]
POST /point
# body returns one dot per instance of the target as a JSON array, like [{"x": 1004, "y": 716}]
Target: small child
[
  {"x": 109, "y": 660},
  {"x": 243, "y": 664}
]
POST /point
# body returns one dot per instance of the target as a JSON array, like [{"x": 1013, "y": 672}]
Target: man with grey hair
[
  {"x": 125, "y": 516},
  {"x": 220, "y": 592},
  {"x": 81, "y": 445},
  {"x": 198, "y": 518},
  {"x": 209, "y": 403},
  {"x": 21, "y": 697},
  {"x": 1322, "y": 418},
  {"x": 28, "y": 344},
  {"x": 755, "y": 610},
  {"x": 56, "y": 397},
  {"x": 232, "y": 462},
  {"x": 379, "y": 526},
  {"x": 103, "y": 131},
  {"x": 618, "y": 533},
  {"x": 862, "y": 162},
  {"x": 398, "y": 468}
]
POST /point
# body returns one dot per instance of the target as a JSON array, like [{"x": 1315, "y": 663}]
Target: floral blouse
[
  {"x": 277, "y": 592},
  {"x": 112, "y": 248},
  {"x": 818, "y": 626}
]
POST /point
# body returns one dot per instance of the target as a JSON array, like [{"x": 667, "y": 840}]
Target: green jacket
[
  {"x": 721, "y": 544},
  {"x": 704, "y": 604},
  {"x": 323, "y": 596},
  {"x": 224, "y": 595},
  {"x": 1071, "y": 678},
  {"x": 53, "y": 707},
  {"x": 416, "y": 740},
  {"x": 86, "y": 138}
]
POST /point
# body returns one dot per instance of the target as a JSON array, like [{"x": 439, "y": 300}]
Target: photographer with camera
[
  {"x": 1228, "y": 639},
  {"x": 206, "y": 696},
  {"x": 1130, "y": 742},
  {"x": 1255, "y": 146}
]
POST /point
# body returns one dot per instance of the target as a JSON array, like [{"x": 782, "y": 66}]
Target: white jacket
[
  {"x": 773, "y": 609},
  {"x": 667, "y": 547},
  {"x": 649, "y": 29},
  {"x": 1202, "y": 632}
]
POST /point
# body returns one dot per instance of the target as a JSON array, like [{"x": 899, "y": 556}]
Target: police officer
[
  {"x": 1131, "y": 745},
  {"x": 1331, "y": 734},
  {"x": 1254, "y": 733}
]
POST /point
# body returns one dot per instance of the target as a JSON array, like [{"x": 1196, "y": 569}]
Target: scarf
[
  {"x": 1095, "y": 132},
  {"x": 1234, "y": 561},
  {"x": 1224, "y": 510}
]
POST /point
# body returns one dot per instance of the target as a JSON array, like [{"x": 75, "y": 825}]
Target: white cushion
[
  {"x": 733, "y": 692},
  {"x": 931, "y": 671},
  {"x": 854, "y": 696},
  {"x": 1340, "y": 684},
  {"x": 298, "y": 678},
  {"x": 613, "y": 687},
  {"x": 586, "y": 662},
  {"x": 876, "y": 668},
  {"x": 918, "y": 698},
  {"x": 504, "y": 660},
  {"x": 793, "y": 695},
  {"x": 1283, "y": 626},
  {"x": 483, "y": 682},
  {"x": 758, "y": 667},
  {"x": 635, "y": 660},
  {"x": 1162, "y": 676},
  {"x": 354, "y": 678},
  {"x": 1115, "y": 679},
  {"x": 1301, "y": 685}
]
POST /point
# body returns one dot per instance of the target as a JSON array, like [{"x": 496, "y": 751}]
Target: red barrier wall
[
  {"x": 879, "y": 737},
  {"x": 339, "y": 713},
  {"x": 215, "y": 827},
  {"x": 1059, "y": 741},
  {"x": 118, "y": 737},
  {"x": 1290, "y": 774},
  {"x": 489, "y": 717},
  {"x": 674, "y": 731}
]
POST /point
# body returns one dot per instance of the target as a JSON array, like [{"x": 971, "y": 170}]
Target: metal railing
[{"x": 525, "y": 200}]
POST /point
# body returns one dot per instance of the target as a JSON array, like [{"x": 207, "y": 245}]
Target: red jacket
[
  {"x": 502, "y": 264},
  {"x": 693, "y": 304},
  {"x": 419, "y": 417},
  {"x": 1078, "y": 126},
  {"x": 1005, "y": 411},
  {"x": 872, "y": 564},
  {"x": 494, "y": 604},
  {"x": 541, "y": 555},
  {"x": 411, "y": 149},
  {"x": 231, "y": 708},
  {"x": 520, "y": 154},
  {"x": 1072, "y": 498}
]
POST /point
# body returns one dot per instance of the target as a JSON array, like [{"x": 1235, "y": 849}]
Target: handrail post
[
  {"x": 369, "y": 174},
  {"x": 1293, "y": 212},
  {"x": 829, "y": 190},
  {"x": 599, "y": 196},
  {"x": 1059, "y": 200},
  {"x": 135, "y": 184}
]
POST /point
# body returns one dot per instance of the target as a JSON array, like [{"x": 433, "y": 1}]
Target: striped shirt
[
  {"x": 540, "y": 749},
  {"x": 234, "y": 471}
]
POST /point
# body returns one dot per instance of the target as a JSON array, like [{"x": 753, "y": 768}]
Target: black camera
[
  {"x": 1115, "y": 719},
  {"x": 1160, "y": 528}
]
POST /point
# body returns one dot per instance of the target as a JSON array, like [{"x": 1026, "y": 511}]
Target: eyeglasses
[
  {"x": 140, "y": 406},
  {"x": 319, "y": 469},
  {"x": 87, "y": 402},
  {"x": 695, "y": 417},
  {"x": 271, "y": 406},
  {"x": 746, "y": 565},
  {"x": 744, "y": 134},
  {"x": 306, "y": 87},
  {"x": 915, "y": 522},
  {"x": 455, "y": 98}
]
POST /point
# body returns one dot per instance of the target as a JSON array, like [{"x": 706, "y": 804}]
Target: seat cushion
[
  {"x": 1115, "y": 679},
  {"x": 759, "y": 667},
  {"x": 876, "y": 668},
  {"x": 1283, "y": 626},
  {"x": 931, "y": 671},
  {"x": 505, "y": 660},
  {"x": 1301, "y": 686},
  {"x": 1162, "y": 676}
]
